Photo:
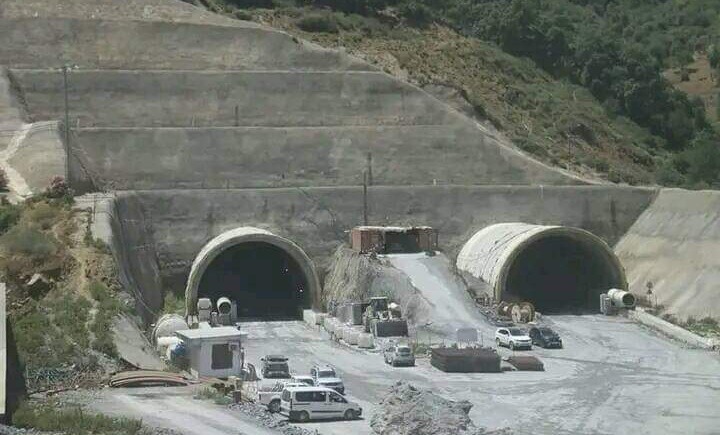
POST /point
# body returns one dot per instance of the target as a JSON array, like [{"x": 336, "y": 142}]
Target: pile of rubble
[{"x": 407, "y": 410}]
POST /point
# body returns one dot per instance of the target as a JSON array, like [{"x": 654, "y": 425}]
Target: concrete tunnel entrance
[
  {"x": 267, "y": 276},
  {"x": 557, "y": 269}
]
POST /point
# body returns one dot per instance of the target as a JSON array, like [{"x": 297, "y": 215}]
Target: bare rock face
[{"x": 407, "y": 410}]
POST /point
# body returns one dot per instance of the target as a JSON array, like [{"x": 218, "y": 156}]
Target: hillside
[{"x": 624, "y": 124}]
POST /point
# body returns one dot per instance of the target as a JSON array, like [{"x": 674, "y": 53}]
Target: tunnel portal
[
  {"x": 267, "y": 276},
  {"x": 559, "y": 274},
  {"x": 557, "y": 269},
  {"x": 264, "y": 281}
]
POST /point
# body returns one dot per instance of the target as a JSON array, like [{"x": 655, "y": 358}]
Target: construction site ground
[{"x": 613, "y": 376}]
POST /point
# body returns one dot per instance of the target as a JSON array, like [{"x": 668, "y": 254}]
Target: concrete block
[
  {"x": 352, "y": 336},
  {"x": 309, "y": 317},
  {"x": 331, "y": 325},
  {"x": 670, "y": 329},
  {"x": 365, "y": 340},
  {"x": 320, "y": 318},
  {"x": 341, "y": 332}
]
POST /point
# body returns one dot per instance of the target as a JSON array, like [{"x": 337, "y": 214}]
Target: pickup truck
[{"x": 271, "y": 398}]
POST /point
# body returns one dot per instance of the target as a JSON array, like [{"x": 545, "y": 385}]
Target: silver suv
[
  {"x": 399, "y": 354},
  {"x": 325, "y": 376}
]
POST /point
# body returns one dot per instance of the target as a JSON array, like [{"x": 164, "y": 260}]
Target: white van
[{"x": 316, "y": 403}]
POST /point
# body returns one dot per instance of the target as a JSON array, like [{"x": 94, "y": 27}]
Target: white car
[
  {"x": 514, "y": 338},
  {"x": 271, "y": 398},
  {"x": 307, "y": 380},
  {"x": 315, "y": 403},
  {"x": 325, "y": 376}
]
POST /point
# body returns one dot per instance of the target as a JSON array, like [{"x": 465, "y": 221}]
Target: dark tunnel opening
[
  {"x": 561, "y": 274},
  {"x": 263, "y": 280}
]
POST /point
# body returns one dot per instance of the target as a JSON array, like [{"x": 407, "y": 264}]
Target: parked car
[
  {"x": 325, "y": 376},
  {"x": 275, "y": 366},
  {"x": 399, "y": 354},
  {"x": 514, "y": 338},
  {"x": 271, "y": 398},
  {"x": 307, "y": 380},
  {"x": 545, "y": 337},
  {"x": 314, "y": 403}
]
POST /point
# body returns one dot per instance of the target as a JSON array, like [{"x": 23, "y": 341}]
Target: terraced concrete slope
[
  {"x": 675, "y": 245},
  {"x": 167, "y": 96}
]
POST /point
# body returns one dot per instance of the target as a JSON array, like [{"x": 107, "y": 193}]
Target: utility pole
[
  {"x": 369, "y": 169},
  {"x": 237, "y": 116},
  {"x": 365, "y": 199},
  {"x": 65, "y": 69}
]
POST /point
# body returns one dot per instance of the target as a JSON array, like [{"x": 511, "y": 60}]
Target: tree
[{"x": 703, "y": 159}]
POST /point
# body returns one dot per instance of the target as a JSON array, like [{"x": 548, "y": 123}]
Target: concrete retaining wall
[
  {"x": 40, "y": 156},
  {"x": 209, "y": 99},
  {"x": 675, "y": 245},
  {"x": 145, "y": 10},
  {"x": 93, "y": 44},
  {"x": 124, "y": 228},
  {"x": 273, "y": 157},
  {"x": 11, "y": 114},
  {"x": 181, "y": 222}
]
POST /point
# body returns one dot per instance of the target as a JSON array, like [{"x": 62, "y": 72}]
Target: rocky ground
[
  {"x": 9, "y": 430},
  {"x": 271, "y": 421}
]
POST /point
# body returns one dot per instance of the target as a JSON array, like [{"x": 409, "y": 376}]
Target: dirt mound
[{"x": 407, "y": 410}]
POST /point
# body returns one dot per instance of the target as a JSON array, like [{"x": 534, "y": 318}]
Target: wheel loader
[{"x": 384, "y": 319}]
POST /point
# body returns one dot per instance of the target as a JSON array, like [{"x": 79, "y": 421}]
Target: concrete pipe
[
  {"x": 167, "y": 325},
  {"x": 621, "y": 298},
  {"x": 555, "y": 268},
  {"x": 224, "y": 306}
]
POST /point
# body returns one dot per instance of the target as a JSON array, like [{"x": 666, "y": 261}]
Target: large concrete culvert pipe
[
  {"x": 558, "y": 269},
  {"x": 268, "y": 276}
]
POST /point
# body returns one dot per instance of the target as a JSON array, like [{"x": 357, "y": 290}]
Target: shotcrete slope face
[
  {"x": 558, "y": 269},
  {"x": 173, "y": 101},
  {"x": 267, "y": 276}
]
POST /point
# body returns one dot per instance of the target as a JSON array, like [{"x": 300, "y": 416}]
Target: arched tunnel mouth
[
  {"x": 264, "y": 281},
  {"x": 562, "y": 273}
]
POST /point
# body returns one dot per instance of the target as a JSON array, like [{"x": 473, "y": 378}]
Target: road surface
[{"x": 613, "y": 376}]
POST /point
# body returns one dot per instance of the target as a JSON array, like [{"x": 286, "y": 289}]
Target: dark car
[
  {"x": 275, "y": 366},
  {"x": 545, "y": 337}
]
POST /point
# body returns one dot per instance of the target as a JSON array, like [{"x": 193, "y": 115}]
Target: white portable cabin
[{"x": 214, "y": 352}]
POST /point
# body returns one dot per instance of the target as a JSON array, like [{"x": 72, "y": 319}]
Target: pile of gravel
[
  {"x": 269, "y": 420},
  {"x": 9, "y": 430},
  {"x": 406, "y": 410}
]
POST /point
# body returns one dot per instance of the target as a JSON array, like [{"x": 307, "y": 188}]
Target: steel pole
[{"x": 67, "y": 110}]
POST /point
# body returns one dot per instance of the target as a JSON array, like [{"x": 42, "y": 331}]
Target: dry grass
[{"x": 557, "y": 122}]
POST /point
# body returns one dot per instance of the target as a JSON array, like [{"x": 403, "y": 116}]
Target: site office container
[{"x": 386, "y": 240}]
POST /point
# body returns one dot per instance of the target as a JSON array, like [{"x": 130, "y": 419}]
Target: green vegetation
[
  {"x": 73, "y": 420},
  {"x": 705, "y": 327},
  {"x": 210, "y": 393},
  {"x": 61, "y": 294},
  {"x": 107, "y": 308},
  {"x": 3, "y": 181},
  {"x": 593, "y": 98},
  {"x": 9, "y": 215},
  {"x": 173, "y": 304}
]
